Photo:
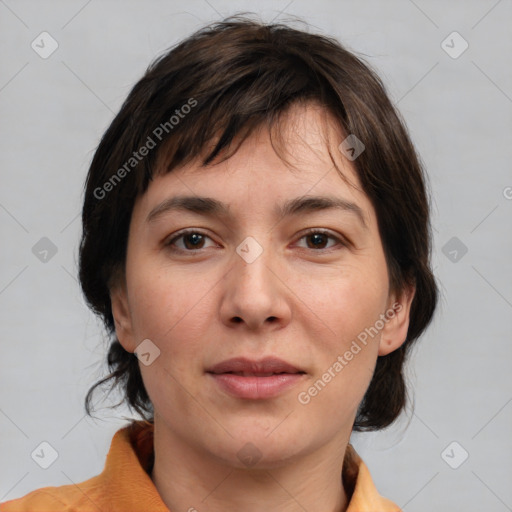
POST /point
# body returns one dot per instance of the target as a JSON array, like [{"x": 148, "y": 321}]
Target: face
[{"x": 288, "y": 294}]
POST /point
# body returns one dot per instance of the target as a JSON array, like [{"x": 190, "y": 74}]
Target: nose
[{"x": 255, "y": 295}]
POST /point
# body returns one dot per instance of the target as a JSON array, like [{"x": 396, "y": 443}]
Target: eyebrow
[{"x": 215, "y": 208}]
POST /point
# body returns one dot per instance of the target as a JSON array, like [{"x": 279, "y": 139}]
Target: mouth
[
  {"x": 255, "y": 374},
  {"x": 249, "y": 368},
  {"x": 256, "y": 380}
]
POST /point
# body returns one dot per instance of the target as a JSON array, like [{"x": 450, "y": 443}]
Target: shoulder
[
  {"x": 68, "y": 498},
  {"x": 123, "y": 484}
]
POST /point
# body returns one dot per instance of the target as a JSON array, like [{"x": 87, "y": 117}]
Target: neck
[{"x": 195, "y": 481}]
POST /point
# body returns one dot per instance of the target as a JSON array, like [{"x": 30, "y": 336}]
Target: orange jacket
[{"x": 125, "y": 486}]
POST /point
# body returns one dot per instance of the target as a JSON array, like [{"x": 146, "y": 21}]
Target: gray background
[{"x": 459, "y": 111}]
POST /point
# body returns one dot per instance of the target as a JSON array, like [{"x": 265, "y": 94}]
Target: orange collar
[
  {"x": 125, "y": 484},
  {"x": 139, "y": 435}
]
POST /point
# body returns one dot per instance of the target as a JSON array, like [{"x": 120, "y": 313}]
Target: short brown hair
[{"x": 238, "y": 74}]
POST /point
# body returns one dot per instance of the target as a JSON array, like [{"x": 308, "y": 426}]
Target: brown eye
[
  {"x": 190, "y": 241},
  {"x": 193, "y": 241},
  {"x": 319, "y": 239}
]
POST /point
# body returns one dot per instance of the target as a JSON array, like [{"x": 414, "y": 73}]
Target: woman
[{"x": 256, "y": 239}]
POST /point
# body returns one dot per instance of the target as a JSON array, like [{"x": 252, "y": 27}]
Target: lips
[
  {"x": 249, "y": 368},
  {"x": 255, "y": 380}
]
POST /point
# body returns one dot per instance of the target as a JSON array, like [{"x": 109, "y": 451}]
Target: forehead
[{"x": 299, "y": 157}]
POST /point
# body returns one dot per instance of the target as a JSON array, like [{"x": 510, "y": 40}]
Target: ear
[
  {"x": 394, "y": 332},
  {"x": 122, "y": 316}
]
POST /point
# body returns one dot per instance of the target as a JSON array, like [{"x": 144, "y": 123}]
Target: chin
[
  {"x": 255, "y": 456},
  {"x": 251, "y": 447}
]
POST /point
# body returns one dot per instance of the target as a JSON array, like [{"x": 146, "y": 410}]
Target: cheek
[
  {"x": 172, "y": 312},
  {"x": 352, "y": 300},
  {"x": 169, "y": 307},
  {"x": 347, "y": 351},
  {"x": 348, "y": 348}
]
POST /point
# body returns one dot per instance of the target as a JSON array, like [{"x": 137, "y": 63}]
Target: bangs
[{"x": 230, "y": 105}]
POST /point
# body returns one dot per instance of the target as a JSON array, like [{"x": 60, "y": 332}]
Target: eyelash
[{"x": 312, "y": 231}]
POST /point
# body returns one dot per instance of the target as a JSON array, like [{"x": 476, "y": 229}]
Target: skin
[{"x": 301, "y": 300}]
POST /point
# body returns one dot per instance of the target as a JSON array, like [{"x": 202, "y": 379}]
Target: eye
[
  {"x": 319, "y": 238},
  {"x": 193, "y": 240}
]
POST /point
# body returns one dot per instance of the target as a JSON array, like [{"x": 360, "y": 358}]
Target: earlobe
[
  {"x": 394, "y": 333},
  {"x": 122, "y": 317}
]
